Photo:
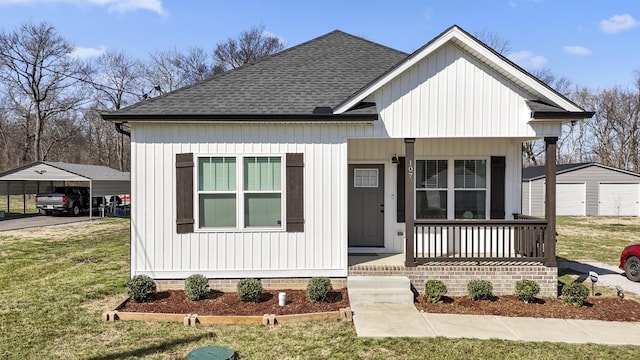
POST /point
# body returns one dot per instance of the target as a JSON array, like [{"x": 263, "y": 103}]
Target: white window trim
[
  {"x": 451, "y": 189},
  {"x": 240, "y": 192}
]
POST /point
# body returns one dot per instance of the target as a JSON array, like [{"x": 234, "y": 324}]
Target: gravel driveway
[{"x": 608, "y": 275}]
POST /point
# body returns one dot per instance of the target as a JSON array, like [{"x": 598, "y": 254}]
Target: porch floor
[
  {"x": 376, "y": 259},
  {"x": 398, "y": 260}
]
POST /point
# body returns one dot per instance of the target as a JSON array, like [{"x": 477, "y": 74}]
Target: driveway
[
  {"x": 36, "y": 220},
  {"x": 608, "y": 275}
]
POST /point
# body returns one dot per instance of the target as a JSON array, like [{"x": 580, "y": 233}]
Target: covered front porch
[
  {"x": 426, "y": 209},
  {"x": 487, "y": 242},
  {"x": 521, "y": 240}
]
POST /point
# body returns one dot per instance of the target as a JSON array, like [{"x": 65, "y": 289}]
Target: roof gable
[
  {"x": 485, "y": 54},
  {"x": 316, "y": 74}
]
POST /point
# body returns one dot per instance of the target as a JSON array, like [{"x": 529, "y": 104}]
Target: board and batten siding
[
  {"x": 451, "y": 93},
  {"x": 157, "y": 250},
  {"x": 377, "y": 151},
  {"x": 592, "y": 176}
]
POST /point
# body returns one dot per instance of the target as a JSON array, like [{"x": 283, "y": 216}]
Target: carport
[{"x": 43, "y": 176}]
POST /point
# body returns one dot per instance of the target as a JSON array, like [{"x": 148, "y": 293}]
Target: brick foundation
[
  {"x": 229, "y": 285},
  {"x": 455, "y": 277}
]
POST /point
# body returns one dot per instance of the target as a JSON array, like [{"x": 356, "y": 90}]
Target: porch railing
[{"x": 520, "y": 240}]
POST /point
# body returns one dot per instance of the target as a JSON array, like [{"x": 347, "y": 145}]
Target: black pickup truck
[{"x": 64, "y": 199}]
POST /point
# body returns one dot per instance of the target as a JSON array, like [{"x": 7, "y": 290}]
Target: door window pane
[{"x": 365, "y": 178}]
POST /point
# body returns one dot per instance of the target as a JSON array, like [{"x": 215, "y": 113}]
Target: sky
[{"x": 593, "y": 43}]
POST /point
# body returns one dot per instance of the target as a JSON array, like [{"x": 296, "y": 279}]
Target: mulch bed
[
  {"x": 607, "y": 308},
  {"x": 219, "y": 303}
]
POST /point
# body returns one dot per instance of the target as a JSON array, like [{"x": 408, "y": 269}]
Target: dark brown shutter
[
  {"x": 295, "y": 192},
  {"x": 400, "y": 190},
  {"x": 497, "y": 187},
  {"x": 184, "y": 193}
]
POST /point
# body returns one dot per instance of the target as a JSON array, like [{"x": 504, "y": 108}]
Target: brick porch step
[{"x": 379, "y": 290}]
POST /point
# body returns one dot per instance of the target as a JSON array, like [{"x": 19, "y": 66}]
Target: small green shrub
[
  {"x": 318, "y": 288},
  {"x": 575, "y": 293},
  {"x": 196, "y": 287},
  {"x": 480, "y": 289},
  {"x": 250, "y": 290},
  {"x": 526, "y": 290},
  {"x": 434, "y": 290},
  {"x": 141, "y": 288}
]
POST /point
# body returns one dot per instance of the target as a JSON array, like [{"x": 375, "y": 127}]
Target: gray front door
[{"x": 366, "y": 205}]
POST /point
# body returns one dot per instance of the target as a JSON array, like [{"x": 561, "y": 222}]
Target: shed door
[
  {"x": 570, "y": 199},
  {"x": 366, "y": 205},
  {"x": 618, "y": 199}
]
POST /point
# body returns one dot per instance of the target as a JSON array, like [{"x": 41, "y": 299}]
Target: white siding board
[
  {"x": 463, "y": 97},
  {"x": 319, "y": 250}
]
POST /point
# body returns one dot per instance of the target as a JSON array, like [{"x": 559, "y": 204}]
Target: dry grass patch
[{"x": 596, "y": 238}]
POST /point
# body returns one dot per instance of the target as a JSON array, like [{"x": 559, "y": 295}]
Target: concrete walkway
[
  {"x": 403, "y": 320},
  {"x": 383, "y": 307}
]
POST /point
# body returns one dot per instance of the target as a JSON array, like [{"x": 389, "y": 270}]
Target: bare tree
[
  {"x": 196, "y": 65},
  {"x": 117, "y": 83},
  {"x": 494, "y": 40},
  {"x": 168, "y": 70},
  {"x": 251, "y": 46},
  {"x": 163, "y": 71},
  {"x": 116, "y": 80},
  {"x": 40, "y": 78}
]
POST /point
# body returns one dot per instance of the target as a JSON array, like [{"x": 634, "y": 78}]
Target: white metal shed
[{"x": 590, "y": 189}]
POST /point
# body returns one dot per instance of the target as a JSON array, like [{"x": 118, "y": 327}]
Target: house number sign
[{"x": 410, "y": 169}]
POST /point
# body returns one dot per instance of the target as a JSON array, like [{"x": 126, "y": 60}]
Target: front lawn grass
[
  {"x": 595, "y": 238},
  {"x": 17, "y": 204},
  {"x": 55, "y": 283}
]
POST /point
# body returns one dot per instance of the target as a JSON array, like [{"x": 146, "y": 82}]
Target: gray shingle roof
[
  {"x": 90, "y": 172},
  {"x": 319, "y": 73},
  {"x": 538, "y": 172},
  {"x": 93, "y": 172}
]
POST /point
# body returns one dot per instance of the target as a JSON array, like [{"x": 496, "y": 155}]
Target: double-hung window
[
  {"x": 470, "y": 189},
  {"x": 262, "y": 191},
  {"x": 240, "y": 192},
  {"x": 431, "y": 189},
  {"x": 444, "y": 191}
]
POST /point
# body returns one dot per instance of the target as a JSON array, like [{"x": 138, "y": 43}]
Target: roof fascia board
[
  {"x": 242, "y": 118},
  {"x": 562, "y": 116},
  {"x": 460, "y": 35}
]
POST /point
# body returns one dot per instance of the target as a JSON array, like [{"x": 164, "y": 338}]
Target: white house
[{"x": 339, "y": 145}]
